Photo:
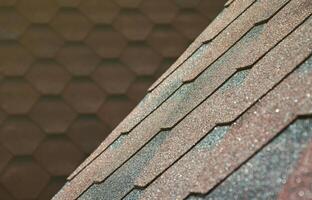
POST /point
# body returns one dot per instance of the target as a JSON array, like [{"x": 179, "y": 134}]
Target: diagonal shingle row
[
  {"x": 199, "y": 172},
  {"x": 223, "y": 106},
  {"x": 248, "y": 81},
  {"x": 155, "y": 98},
  {"x": 223, "y": 20}
]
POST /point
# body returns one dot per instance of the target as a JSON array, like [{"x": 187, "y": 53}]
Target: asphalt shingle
[{"x": 222, "y": 108}]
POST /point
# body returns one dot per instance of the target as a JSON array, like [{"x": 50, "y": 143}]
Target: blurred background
[{"x": 71, "y": 70}]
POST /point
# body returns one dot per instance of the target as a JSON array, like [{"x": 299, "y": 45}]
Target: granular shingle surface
[
  {"x": 264, "y": 174},
  {"x": 231, "y": 119}
]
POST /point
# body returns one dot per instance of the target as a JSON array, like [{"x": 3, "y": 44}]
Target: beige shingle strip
[
  {"x": 182, "y": 135},
  {"x": 225, "y": 18},
  {"x": 201, "y": 171},
  {"x": 228, "y": 3},
  {"x": 150, "y": 102}
]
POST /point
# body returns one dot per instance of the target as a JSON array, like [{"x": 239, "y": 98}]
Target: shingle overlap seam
[{"x": 75, "y": 173}]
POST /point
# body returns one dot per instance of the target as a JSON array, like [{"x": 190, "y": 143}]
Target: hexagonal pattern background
[{"x": 71, "y": 70}]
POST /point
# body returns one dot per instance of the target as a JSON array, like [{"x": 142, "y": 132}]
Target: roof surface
[{"x": 230, "y": 119}]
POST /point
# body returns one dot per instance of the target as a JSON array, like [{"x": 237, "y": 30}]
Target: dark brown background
[{"x": 71, "y": 70}]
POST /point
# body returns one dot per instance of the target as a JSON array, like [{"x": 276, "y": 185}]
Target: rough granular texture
[
  {"x": 263, "y": 176},
  {"x": 231, "y": 119}
]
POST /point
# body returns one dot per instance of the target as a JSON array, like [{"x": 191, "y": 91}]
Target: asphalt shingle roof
[{"x": 230, "y": 119}]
